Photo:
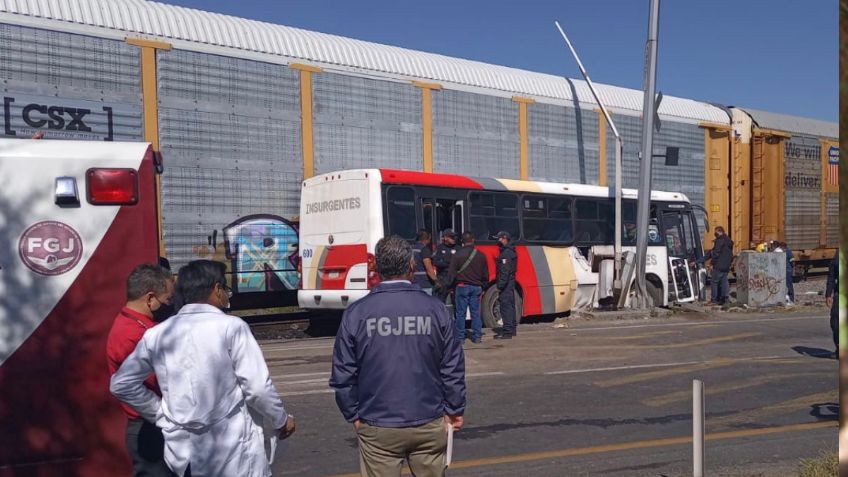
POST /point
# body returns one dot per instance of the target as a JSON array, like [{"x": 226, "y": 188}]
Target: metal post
[
  {"x": 697, "y": 428},
  {"x": 617, "y": 284},
  {"x": 643, "y": 207},
  {"x": 618, "y": 150}
]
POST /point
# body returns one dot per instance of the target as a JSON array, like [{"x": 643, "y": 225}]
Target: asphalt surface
[{"x": 604, "y": 397}]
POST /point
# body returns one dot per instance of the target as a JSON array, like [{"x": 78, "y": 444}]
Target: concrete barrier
[{"x": 761, "y": 279}]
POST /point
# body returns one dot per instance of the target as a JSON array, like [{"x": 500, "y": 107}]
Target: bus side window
[{"x": 492, "y": 212}]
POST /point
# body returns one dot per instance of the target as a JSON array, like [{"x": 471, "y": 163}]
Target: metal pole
[
  {"x": 697, "y": 428},
  {"x": 619, "y": 146},
  {"x": 644, "y": 202}
]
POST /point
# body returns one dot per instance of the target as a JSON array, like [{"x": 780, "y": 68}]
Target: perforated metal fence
[
  {"x": 69, "y": 86},
  {"x": 362, "y": 122},
  {"x": 231, "y": 141},
  {"x": 475, "y": 135},
  {"x": 562, "y": 144}
]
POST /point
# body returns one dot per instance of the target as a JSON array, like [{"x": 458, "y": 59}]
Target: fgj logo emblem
[{"x": 50, "y": 248}]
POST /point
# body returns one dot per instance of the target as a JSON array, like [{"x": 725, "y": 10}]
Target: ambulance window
[{"x": 400, "y": 202}]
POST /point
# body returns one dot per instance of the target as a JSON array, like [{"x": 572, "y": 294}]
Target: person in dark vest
[
  {"x": 832, "y": 296},
  {"x": 468, "y": 274},
  {"x": 398, "y": 373},
  {"x": 441, "y": 260},
  {"x": 505, "y": 265},
  {"x": 425, "y": 273},
  {"x": 721, "y": 257}
]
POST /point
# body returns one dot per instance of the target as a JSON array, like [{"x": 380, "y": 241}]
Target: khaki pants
[{"x": 382, "y": 450}]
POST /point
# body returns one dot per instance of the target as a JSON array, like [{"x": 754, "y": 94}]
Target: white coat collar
[{"x": 199, "y": 308}]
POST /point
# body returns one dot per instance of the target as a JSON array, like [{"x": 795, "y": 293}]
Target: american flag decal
[{"x": 833, "y": 166}]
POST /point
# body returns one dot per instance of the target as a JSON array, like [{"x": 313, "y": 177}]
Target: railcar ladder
[{"x": 757, "y": 192}]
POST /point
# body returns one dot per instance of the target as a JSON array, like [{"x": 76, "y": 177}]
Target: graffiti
[
  {"x": 263, "y": 252},
  {"x": 760, "y": 278},
  {"x": 762, "y": 283},
  {"x": 742, "y": 271}
]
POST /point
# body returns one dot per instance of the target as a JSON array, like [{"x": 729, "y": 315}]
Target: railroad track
[{"x": 298, "y": 324}]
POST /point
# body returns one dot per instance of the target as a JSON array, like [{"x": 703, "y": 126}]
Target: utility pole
[
  {"x": 643, "y": 207},
  {"x": 619, "y": 147}
]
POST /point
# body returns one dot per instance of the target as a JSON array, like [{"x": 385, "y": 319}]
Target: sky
[{"x": 774, "y": 55}]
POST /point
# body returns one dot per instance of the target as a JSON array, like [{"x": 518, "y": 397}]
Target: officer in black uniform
[
  {"x": 425, "y": 274},
  {"x": 505, "y": 267},
  {"x": 441, "y": 260},
  {"x": 832, "y": 296}
]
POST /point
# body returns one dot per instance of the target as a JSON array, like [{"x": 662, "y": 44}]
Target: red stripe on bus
[
  {"x": 525, "y": 277},
  {"x": 339, "y": 258},
  {"x": 396, "y": 176},
  {"x": 55, "y": 405},
  {"x": 528, "y": 280}
]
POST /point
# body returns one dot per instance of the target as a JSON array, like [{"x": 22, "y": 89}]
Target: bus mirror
[{"x": 672, "y": 155}]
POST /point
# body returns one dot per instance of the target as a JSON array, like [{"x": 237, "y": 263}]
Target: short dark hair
[
  {"x": 145, "y": 278},
  {"x": 197, "y": 279},
  {"x": 719, "y": 228},
  {"x": 467, "y": 238},
  {"x": 394, "y": 256},
  {"x": 423, "y": 235}
]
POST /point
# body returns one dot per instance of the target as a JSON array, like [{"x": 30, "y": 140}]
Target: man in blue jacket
[{"x": 398, "y": 372}]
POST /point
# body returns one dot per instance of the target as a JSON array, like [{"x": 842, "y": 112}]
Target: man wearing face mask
[
  {"x": 218, "y": 403},
  {"x": 505, "y": 265},
  {"x": 721, "y": 257},
  {"x": 149, "y": 287}
]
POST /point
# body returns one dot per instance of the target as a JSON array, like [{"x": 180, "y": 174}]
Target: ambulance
[{"x": 75, "y": 218}]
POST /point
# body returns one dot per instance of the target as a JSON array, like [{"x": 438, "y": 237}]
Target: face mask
[{"x": 164, "y": 312}]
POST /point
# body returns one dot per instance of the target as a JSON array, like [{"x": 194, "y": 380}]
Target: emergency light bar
[{"x": 112, "y": 186}]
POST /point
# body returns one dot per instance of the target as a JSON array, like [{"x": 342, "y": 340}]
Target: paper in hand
[{"x": 449, "y": 453}]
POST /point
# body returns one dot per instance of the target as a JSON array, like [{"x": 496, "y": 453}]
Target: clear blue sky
[{"x": 776, "y": 55}]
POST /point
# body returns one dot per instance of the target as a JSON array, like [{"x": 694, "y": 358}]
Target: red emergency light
[{"x": 112, "y": 186}]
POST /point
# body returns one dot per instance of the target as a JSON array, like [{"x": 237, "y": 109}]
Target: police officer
[
  {"x": 832, "y": 296},
  {"x": 441, "y": 260},
  {"x": 505, "y": 266},
  {"x": 398, "y": 372},
  {"x": 425, "y": 274}
]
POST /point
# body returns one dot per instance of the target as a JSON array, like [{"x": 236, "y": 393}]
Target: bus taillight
[
  {"x": 373, "y": 276},
  {"x": 299, "y": 274}
]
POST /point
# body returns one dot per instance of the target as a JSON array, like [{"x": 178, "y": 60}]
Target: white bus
[{"x": 563, "y": 235}]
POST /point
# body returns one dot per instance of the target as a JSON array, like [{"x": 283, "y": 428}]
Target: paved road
[{"x": 606, "y": 398}]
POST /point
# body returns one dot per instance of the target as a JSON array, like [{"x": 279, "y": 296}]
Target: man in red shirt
[{"x": 149, "y": 287}]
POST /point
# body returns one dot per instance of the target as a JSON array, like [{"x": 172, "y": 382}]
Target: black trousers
[
  {"x": 834, "y": 321},
  {"x": 147, "y": 449},
  {"x": 442, "y": 292},
  {"x": 506, "y": 300}
]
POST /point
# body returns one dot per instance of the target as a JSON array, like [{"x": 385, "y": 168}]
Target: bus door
[
  {"x": 683, "y": 250},
  {"x": 439, "y": 210}
]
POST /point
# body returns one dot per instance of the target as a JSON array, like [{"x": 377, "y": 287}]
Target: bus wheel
[
  {"x": 491, "y": 309},
  {"x": 655, "y": 293}
]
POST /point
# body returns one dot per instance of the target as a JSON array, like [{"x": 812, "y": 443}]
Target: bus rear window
[{"x": 400, "y": 205}]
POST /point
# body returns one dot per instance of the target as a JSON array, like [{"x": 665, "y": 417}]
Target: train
[{"x": 240, "y": 112}]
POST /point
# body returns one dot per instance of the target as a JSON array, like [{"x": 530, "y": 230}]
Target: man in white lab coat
[{"x": 218, "y": 404}]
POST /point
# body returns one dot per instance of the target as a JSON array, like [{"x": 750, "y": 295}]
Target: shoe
[
  {"x": 477, "y": 341},
  {"x": 503, "y": 337}
]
